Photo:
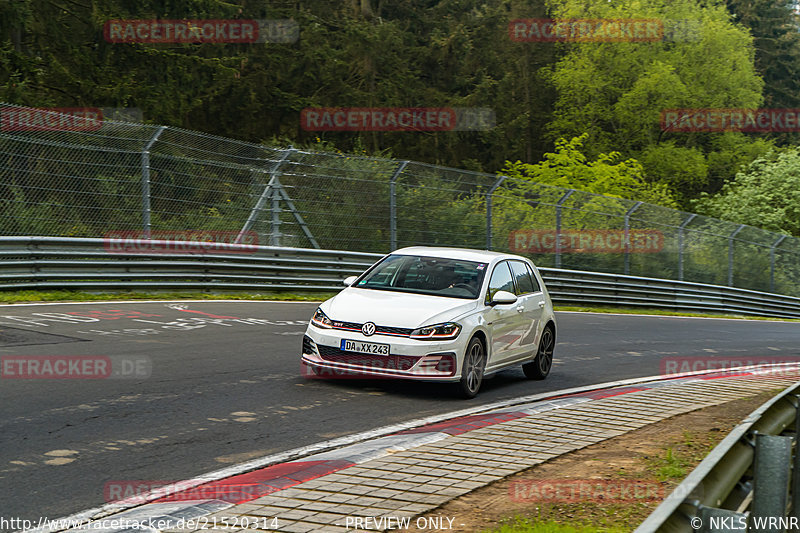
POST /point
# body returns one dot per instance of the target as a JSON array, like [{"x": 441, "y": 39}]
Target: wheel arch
[
  {"x": 552, "y": 325},
  {"x": 483, "y": 338}
]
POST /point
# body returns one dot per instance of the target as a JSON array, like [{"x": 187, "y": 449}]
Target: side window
[
  {"x": 536, "y": 287},
  {"x": 523, "y": 278},
  {"x": 501, "y": 280}
]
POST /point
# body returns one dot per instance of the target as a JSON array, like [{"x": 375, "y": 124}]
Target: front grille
[
  {"x": 385, "y": 330},
  {"x": 346, "y": 325},
  {"x": 377, "y": 362},
  {"x": 393, "y": 331}
]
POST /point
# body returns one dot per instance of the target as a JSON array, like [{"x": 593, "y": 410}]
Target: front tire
[
  {"x": 472, "y": 369},
  {"x": 540, "y": 367}
]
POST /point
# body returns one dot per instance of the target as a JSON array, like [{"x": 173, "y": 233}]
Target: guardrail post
[
  {"x": 489, "y": 196},
  {"x": 393, "y": 205},
  {"x": 267, "y": 194},
  {"x": 681, "y": 229},
  {"x": 558, "y": 225},
  {"x": 146, "y": 226},
  {"x": 796, "y": 465},
  {"x": 730, "y": 253},
  {"x": 714, "y": 481},
  {"x": 772, "y": 462},
  {"x": 772, "y": 262},
  {"x": 628, "y": 236},
  {"x": 711, "y": 518}
]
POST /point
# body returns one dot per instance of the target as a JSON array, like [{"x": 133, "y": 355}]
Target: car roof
[{"x": 466, "y": 254}]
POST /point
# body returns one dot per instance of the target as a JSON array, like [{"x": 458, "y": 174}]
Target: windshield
[{"x": 436, "y": 276}]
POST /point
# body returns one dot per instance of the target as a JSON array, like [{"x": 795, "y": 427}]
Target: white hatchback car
[{"x": 436, "y": 314}]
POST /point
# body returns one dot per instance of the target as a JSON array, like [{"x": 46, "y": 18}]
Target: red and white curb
[{"x": 222, "y": 489}]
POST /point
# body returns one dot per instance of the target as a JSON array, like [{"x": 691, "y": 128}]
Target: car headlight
[
  {"x": 321, "y": 320},
  {"x": 437, "y": 332}
]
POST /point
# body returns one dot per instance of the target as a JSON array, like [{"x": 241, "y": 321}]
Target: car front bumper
[{"x": 407, "y": 359}]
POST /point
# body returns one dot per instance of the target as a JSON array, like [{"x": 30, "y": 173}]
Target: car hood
[{"x": 395, "y": 309}]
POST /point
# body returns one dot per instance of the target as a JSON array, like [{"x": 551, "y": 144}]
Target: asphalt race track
[{"x": 197, "y": 386}]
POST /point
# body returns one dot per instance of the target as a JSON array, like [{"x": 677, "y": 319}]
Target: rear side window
[
  {"x": 524, "y": 280},
  {"x": 534, "y": 279},
  {"x": 501, "y": 280}
]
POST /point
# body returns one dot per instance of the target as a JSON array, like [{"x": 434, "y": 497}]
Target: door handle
[{"x": 541, "y": 304}]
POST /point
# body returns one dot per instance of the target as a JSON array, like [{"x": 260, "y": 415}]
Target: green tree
[
  {"x": 683, "y": 169},
  {"x": 617, "y": 91},
  {"x": 766, "y": 195},
  {"x": 729, "y": 153},
  {"x": 606, "y": 188},
  {"x": 570, "y": 168}
]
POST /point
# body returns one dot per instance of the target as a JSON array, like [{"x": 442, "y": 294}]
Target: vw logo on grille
[{"x": 368, "y": 329}]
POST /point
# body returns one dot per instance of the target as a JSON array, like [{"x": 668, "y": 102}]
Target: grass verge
[
  {"x": 662, "y": 455},
  {"x": 661, "y": 312},
  {"x": 82, "y": 296},
  {"x": 667, "y": 467},
  {"x": 522, "y": 525}
]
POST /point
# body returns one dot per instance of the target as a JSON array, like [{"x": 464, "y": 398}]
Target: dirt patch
[{"x": 614, "y": 484}]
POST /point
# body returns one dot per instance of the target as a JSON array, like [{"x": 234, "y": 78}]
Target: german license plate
[{"x": 365, "y": 347}]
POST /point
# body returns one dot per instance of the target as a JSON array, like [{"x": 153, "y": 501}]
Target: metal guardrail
[
  {"x": 746, "y": 477},
  {"x": 578, "y": 287},
  {"x": 52, "y": 263}
]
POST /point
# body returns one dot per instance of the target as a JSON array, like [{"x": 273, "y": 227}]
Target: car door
[
  {"x": 531, "y": 300},
  {"x": 504, "y": 321}
]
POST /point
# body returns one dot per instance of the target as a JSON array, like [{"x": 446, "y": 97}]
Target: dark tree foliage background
[
  {"x": 774, "y": 27},
  {"x": 422, "y": 53},
  {"x": 350, "y": 54}
]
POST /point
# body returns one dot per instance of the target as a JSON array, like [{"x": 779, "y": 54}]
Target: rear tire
[
  {"x": 472, "y": 369},
  {"x": 540, "y": 367}
]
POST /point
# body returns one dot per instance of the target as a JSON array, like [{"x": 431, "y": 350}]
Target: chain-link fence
[{"x": 61, "y": 176}]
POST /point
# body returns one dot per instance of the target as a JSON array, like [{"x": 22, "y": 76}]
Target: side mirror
[
  {"x": 503, "y": 298},
  {"x": 349, "y": 280}
]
